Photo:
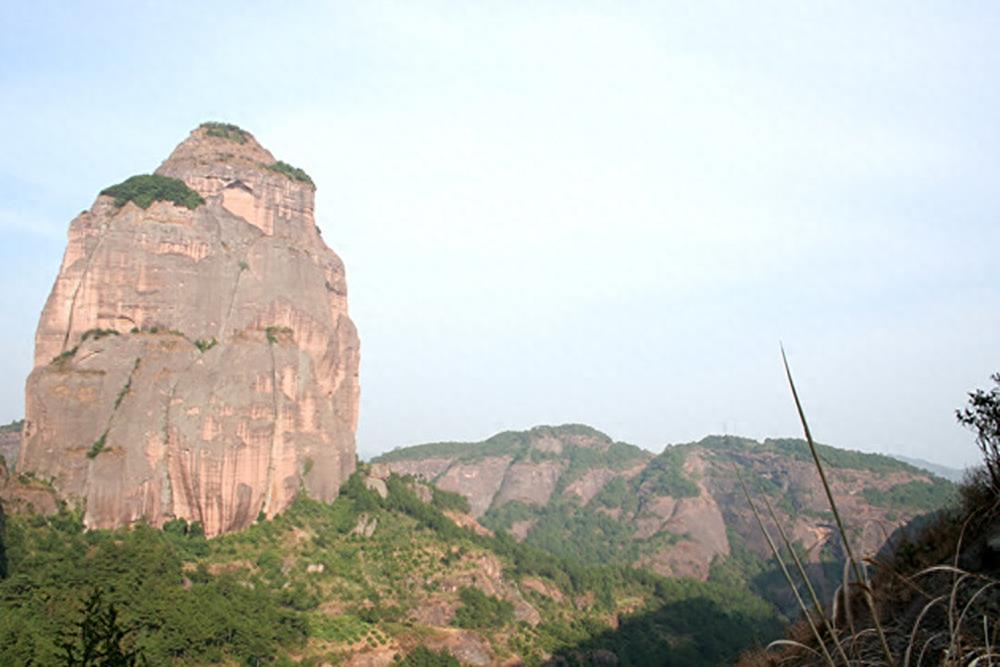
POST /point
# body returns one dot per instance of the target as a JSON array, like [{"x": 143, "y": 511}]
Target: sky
[{"x": 550, "y": 212}]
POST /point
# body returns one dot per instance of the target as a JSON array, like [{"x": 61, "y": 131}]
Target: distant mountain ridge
[
  {"x": 576, "y": 492},
  {"x": 951, "y": 474}
]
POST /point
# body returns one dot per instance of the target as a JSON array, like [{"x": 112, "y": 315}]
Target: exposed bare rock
[
  {"x": 428, "y": 469},
  {"x": 378, "y": 486},
  {"x": 520, "y": 529},
  {"x": 434, "y": 612},
  {"x": 467, "y": 521},
  {"x": 479, "y": 482},
  {"x": 365, "y": 526},
  {"x": 380, "y": 657},
  {"x": 536, "y": 585},
  {"x": 467, "y": 647},
  {"x": 206, "y": 367},
  {"x": 592, "y": 481},
  {"x": 531, "y": 483}
]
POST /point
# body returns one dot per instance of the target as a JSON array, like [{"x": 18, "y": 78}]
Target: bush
[
  {"x": 915, "y": 494},
  {"x": 291, "y": 172},
  {"x": 226, "y": 131},
  {"x": 272, "y": 333},
  {"x": 205, "y": 345},
  {"x": 448, "y": 500},
  {"x": 97, "y": 334},
  {"x": 144, "y": 189},
  {"x": 480, "y": 610},
  {"x": 98, "y": 446},
  {"x": 62, "y": 358}
]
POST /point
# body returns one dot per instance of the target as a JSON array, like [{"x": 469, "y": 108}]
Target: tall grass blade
[
  {"x": 817, "y": 605},
  {"x": 784, "y": 571},
  {"x": 869, "y": 600},
  {"x": 986, "y": 636},
  {"x": 916, "y": 627}
]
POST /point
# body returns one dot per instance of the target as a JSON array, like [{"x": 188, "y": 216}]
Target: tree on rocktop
[{"x": 983, "y": 416}]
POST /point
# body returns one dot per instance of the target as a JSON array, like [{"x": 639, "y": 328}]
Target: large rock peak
[{"x": 195, "y": 358}]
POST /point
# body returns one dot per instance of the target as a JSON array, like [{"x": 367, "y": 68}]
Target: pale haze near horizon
[{"x": 571, "y": 212}]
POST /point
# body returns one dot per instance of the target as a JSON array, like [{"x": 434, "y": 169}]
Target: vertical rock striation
[{"x": 196, "y": 363}]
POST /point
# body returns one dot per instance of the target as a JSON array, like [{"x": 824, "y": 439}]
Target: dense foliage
[
  {"x": 480, "y": 610},
  {"x": 914, "y": 495},
  {"x": 179, "y": 615},
  {"x": 664, "y": 476},
  {"x": 144, "y": 189}
]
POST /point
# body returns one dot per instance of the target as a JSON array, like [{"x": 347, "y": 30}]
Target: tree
[
  {"x": 983, "y": 416},
  {"x": 99, "y": 640}
]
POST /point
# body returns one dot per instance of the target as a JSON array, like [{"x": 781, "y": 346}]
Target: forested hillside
[{"x": 392, "y": 571}]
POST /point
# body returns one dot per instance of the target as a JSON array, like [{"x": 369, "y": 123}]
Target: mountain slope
[
  {"x": 365, "y": 580},
  {"x": 573, "y": 491}
]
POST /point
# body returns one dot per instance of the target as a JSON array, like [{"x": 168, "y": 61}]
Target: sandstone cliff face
[{"x": 199, "y": 363}]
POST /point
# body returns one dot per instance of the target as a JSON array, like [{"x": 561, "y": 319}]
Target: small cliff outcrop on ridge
[{"x": 195, "y": 358}]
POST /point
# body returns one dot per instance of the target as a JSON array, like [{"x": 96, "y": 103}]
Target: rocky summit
[{"x": 195, "y": 358}]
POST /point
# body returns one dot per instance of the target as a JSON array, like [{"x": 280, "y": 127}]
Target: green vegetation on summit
[
  {"x": 14, "y": 426},
  {"x": 144, "y": 189},
  {"x": 226, "y": 131}
]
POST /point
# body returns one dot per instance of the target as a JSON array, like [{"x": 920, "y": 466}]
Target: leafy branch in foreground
[{"x": 983, "y": 416}]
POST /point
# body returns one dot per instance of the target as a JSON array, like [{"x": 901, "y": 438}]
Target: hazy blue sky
[{"x": 606, "y": 213}]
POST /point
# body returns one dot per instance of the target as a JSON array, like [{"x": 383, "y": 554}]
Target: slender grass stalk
[
  {"x": 870, "y": 601},
  {"x": 817, "y": 605},
  {"x": 923, "y": 650},
  {"x": 795, "y": 644},
  {"x": 986, "y": 636},
  {"x": 916, "y": 627},
  {"x": 784, "y": 570}
]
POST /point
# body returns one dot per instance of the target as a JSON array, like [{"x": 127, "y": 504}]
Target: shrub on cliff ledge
[
  {"x": 144, "y": 189},
  {"x": 291, "y": 172}
]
